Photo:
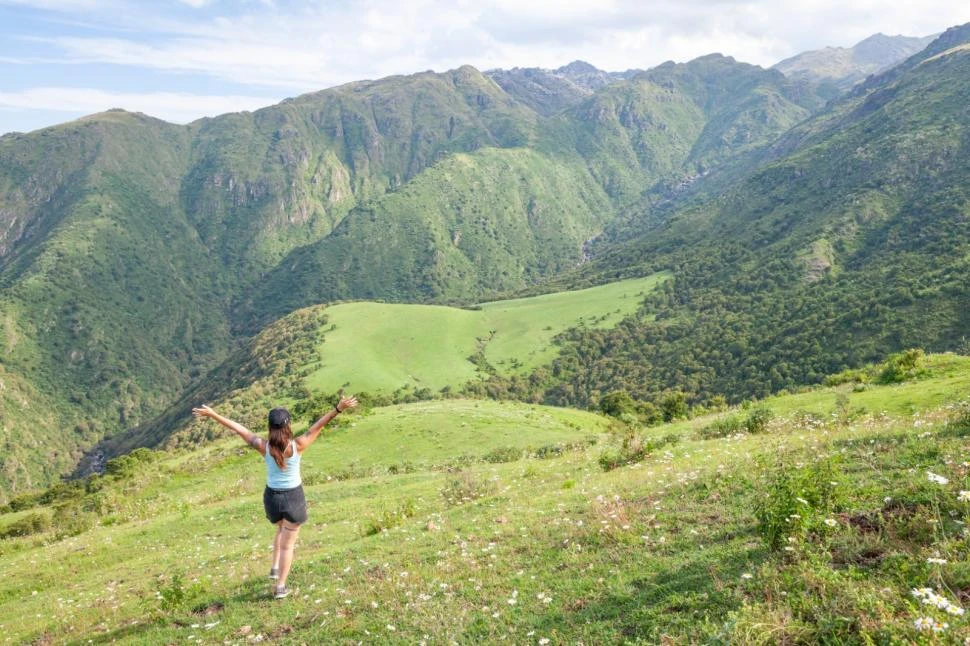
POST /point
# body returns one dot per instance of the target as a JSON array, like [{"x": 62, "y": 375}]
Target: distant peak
[
  {"x": 715, "y": 57},
  {"x": 578, "y": 67}
]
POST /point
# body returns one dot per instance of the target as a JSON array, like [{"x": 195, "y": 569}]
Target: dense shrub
[
  {"x": 721, "y": 427},
  {"x": 902, "y": 366},
  {"x": 758, "y": 419},
  {"x": 633, "y": 450},
  {"x": 958, "y": 424},
  {"x": 388, "y": 519},
  {"x": 71, "y": 519},
  {"x": 126, "y": 466},
  {"x": 502, "y": 454},
  {"x": 549, "y": 451},
  {"x": 26, "y": 526},
  {"x": 617, "y": 403},
  {"x": 793, "y": 496}
]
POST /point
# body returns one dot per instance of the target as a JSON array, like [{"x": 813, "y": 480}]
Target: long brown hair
[{"x": 280, "y": 434}]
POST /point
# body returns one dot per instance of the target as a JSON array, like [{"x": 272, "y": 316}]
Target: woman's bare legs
[
  {"x": 283, "y": 555},
  {"x": 276, "y": 546}
]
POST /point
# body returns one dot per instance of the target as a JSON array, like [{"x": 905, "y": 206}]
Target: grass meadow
[
  {"x": 842, "y": 521},
  {"x": 380, "y": 347}
]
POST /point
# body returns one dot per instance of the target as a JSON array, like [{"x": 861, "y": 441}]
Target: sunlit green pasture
[{"x": 380, "y": 347}]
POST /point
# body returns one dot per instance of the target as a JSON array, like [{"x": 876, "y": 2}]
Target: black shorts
[{"x": 285, "y": 504}]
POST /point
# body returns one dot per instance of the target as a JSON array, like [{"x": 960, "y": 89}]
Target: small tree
[
  {"x": 674, "y": 406},
  {"x": 618, "y": 403},
  {"x": 902, "y": 366}
]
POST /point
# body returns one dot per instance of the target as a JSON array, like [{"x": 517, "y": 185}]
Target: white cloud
[
  {"x": 170, "y": 106},
  {"x": 321, "y": 44}
]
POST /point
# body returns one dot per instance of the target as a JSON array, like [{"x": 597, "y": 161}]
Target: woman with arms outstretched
[{"x": 283, "y": 497}]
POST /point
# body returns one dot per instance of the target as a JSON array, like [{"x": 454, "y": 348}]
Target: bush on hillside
[
  {"x": 126, "y": 466},
  {"x": 26, "y": 526},
  {"x": 503, "y": 454},
  {"x": 674, "y": 406},
  {"x": 758, "y": 419},
  {"x": 851, "y": 376},
  {"x": 71, "y": 519},
  {"x": 388, "y": 519},
  {"x": 795, "y": 494},
  {"x": 634, "y": 449},
  {"x": 618, "y": 403},
  {"x": 902, "y": 366},
  {"x": 958, "y": 424},
  {"x": 631, "y": 452}
]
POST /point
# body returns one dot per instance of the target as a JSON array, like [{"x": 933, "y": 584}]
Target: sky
[{"x": 180, "y": 60}]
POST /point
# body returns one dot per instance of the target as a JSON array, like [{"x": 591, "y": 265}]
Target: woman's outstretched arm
[
  {"x": 311, "y": 435},
  {"x": 248, "y": 436}
]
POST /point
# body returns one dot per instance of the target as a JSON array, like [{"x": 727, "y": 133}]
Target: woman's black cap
[{"x": 279, "y": 417}]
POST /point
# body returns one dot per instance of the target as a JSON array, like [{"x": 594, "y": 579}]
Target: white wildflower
[{"x": 938, "y": 479}]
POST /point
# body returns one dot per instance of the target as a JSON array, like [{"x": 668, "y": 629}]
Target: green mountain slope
[
  {"x": 263, "y": 184},
  {"x": 98, "y": 320},
  {"x": 471, "y": 225},
  {"x": 747, "y": 107},
  {"x": 850, "y": 245}
]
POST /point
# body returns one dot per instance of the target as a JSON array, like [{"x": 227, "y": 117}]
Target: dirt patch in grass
[{"x": 207, "y": 610}]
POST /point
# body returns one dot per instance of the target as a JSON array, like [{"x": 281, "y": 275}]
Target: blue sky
[{"x": 180, "y": 60}]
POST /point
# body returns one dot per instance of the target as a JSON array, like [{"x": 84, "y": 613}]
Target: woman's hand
[
  {"x": 203, "y": 411},
  {"x": 345, "y": 403}
]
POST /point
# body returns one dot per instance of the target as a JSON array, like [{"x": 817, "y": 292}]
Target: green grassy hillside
[
  {"x": 389, "y": 352},
  {"x": 481, "y": 521},
  {"x": 382, "y": 347}
]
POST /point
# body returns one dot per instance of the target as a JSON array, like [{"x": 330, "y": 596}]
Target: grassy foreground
[{"x": 471, "y": 522}]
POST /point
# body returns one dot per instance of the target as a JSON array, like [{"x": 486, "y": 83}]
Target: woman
[{"x": 283, "y": 497}]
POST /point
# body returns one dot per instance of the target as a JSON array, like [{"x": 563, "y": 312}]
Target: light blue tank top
[{"x": 287, "y": 478}]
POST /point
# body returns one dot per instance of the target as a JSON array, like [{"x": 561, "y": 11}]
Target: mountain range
[
  {"x": 843, "y": 67},
  {"x": 805, "y": 230}
]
